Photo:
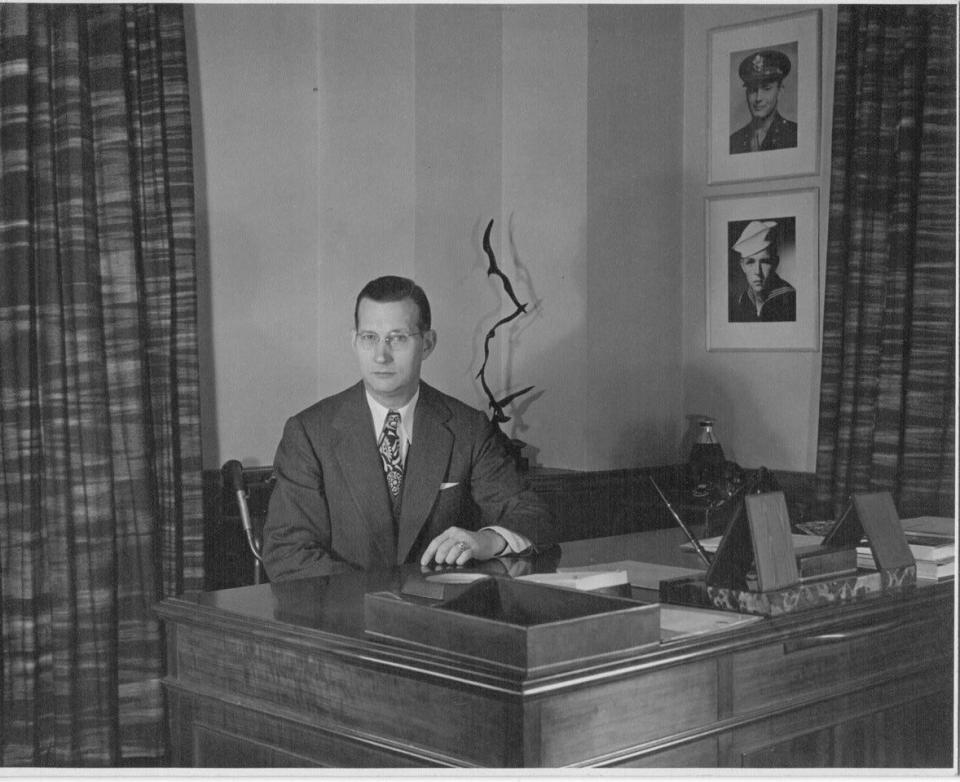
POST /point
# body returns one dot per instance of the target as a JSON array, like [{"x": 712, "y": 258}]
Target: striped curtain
[
  {"x": 887, "y": 388},
  {"x": 99, "y": 434}
]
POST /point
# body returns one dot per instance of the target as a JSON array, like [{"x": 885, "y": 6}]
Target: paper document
[
  {"x": 643, "y": 575},
  {"x": 579, "y": 579},
  {"x": 799, "y": 541},
  {"x": 677, "y": 621}
]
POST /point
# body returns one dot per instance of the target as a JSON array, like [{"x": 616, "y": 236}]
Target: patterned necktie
[{"x": 390, "y": 455}]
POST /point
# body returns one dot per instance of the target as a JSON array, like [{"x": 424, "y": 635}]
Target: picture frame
[
  {"x": 743, "y": 229},
  {"x": 788, "y": 109}
]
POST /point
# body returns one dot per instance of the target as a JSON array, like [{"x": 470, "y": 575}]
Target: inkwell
[{"x": 706, "y": 462}]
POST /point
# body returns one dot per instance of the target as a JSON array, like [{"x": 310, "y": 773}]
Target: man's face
[
  {"x": 391, "y": 373},
  {"x": 757, "y": 268},
  {"x": 762, "y": 98}
]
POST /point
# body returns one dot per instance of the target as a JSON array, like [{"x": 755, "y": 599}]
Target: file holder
[
  {"x": 756, "y": 569},
  {"x": 873, "y": 516},
  {"x": 517, "y": 627}
]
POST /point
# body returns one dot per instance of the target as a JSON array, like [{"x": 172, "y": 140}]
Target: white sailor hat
[{"x": 755, "y": 237}]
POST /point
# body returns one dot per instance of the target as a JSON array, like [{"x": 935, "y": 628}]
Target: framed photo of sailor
[
  {"x": 764, "y": 106},
  {"x": 763, "y": 271}
]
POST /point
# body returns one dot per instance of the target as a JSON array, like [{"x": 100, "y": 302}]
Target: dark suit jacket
[
  {"x": 330, "y": 510},
  {"x": 782, "y": 134}
]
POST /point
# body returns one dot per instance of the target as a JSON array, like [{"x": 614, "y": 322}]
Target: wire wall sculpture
[{"x": 498, "y": 405}]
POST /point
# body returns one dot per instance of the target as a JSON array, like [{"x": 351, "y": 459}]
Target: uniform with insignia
[
  {"x": 779, "y": 305},
  {"x": 782, "y": 134},
  {"x": 778, "y": 300},
  {"x": 763, "y": 68}
]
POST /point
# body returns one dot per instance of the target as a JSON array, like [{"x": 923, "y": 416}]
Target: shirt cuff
[{"x": 516, "y": 543}]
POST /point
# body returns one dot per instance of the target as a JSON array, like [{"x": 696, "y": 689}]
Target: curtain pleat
[
  {"x": 101, "y": 510},
  {"x": 887, "y": 383}
]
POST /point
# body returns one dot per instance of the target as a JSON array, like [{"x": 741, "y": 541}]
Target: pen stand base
[{"x": 814, "y": 593}]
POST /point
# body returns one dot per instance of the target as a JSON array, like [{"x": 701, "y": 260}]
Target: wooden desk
[{"x": 283, "y": 675}]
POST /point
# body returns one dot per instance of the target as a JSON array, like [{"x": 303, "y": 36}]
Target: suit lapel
[
  {"x": 425, "y": 468},
  {"x": 356, "y": 453}
]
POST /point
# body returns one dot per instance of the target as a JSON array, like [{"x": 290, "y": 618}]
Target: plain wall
[
  {"x": 335, "y": 143},
  {"x": 635, "y": 283},
  {"x": 254, "y": 106}
]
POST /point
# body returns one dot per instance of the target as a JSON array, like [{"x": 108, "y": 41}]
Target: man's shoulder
[
  {"x": 446, "y": 404},
  {"x": 329, "y": 406},
  {"x": 783, "y": 132},
  {"x": 784, "y": 122},
  {"x": 781, "y": 286}
]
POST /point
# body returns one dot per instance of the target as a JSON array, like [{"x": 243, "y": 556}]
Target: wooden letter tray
[
  {"x": 758, "y": 536},
  {"x": 520, "y": 626}
]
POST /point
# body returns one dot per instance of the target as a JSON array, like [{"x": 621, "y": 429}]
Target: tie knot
[{"x": 392, "y": 421}]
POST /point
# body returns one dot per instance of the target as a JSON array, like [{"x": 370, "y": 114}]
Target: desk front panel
[
  {"x": 824, "y": 660},
  {"x": 283, "y": 674},
  {"x": 350, "y": 695}
]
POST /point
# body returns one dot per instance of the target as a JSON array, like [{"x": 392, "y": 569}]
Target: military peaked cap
[{"x": 768, "y": 65}]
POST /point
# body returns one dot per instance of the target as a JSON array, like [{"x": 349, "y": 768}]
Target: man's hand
[{"x": 456, "y": 546}]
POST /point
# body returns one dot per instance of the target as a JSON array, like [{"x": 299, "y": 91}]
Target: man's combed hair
[{"x": 392, "y": 288}]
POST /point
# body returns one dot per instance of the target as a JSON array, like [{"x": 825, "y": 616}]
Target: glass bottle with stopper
[{"x": 706, "y": 459}]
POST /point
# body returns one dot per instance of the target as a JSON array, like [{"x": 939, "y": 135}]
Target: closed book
[
  {"x": 929, "y": 551},
  {"x": 931, "y": 548},
  {"x": 940, "y": 526},
  {"x": 936, "y": 571}
]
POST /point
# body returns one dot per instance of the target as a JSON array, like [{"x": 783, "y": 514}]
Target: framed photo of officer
[
  {"x": 763, "y": 271},
  {"x": 764, "y": 106}
]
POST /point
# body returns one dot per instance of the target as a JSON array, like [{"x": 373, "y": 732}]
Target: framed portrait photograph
[
  {"x": 764, "y": 105},
  {"x": 763, "y": 271}
]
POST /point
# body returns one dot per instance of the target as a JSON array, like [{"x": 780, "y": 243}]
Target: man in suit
[
  {"x": 767, "y": 297},
  {"x": 392, "y": 470},
  {"x": 763, "y": 74}
]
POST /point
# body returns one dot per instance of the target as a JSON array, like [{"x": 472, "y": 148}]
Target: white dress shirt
[{"x": 516, "y": 543}]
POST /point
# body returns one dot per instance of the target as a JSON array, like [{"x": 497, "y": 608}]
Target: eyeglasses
[{"x": 396, "y": 341}]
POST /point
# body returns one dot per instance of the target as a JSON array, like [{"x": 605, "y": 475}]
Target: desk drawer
[
  {"x": 581, "y": 725},
  {"x": 829, "y": 660}
]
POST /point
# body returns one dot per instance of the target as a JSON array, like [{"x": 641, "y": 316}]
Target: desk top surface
[{"x": 333, "y": 606}]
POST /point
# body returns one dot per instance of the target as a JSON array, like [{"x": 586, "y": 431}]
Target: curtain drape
[
  {"x": 887, "y": 384},
  {"x": 100, "y": 509}
]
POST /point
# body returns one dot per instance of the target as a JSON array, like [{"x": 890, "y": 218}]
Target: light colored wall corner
[
  {"x": 253, "y": 103},
  {"x": 765, "y": 402},
  {"x": 542, "y": 237},
  {"x": 634, "y": 235}
]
